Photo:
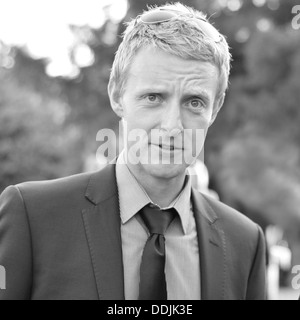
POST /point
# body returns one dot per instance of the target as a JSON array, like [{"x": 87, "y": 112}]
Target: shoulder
[
  {"x": 54, "y": 197},
  {"x": 227, "y": 214},
  {"x": 237, "y": 228},
  {"x": 71, "y": 192},
  {"x": 54, "y": 189}
]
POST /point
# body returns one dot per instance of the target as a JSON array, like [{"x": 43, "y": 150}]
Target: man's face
[{"x": 166, "y": 94}]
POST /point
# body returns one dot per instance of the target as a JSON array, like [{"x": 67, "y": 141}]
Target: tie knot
[{"x": 156, "y": 220}]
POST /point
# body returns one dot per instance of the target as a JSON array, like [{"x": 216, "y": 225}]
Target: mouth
[{"x": 167, "y": 147}]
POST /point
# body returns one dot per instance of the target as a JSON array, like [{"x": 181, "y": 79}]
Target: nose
[{"x": 171, "y": 119}]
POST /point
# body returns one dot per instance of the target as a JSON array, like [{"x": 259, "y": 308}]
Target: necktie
[{"x": 152, "y": 276}]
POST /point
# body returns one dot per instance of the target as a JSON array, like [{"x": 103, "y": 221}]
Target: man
[{"x": 100, "y": 235}]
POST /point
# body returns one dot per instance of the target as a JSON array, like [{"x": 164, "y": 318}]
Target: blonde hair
[{"x": 180, "y": 36}]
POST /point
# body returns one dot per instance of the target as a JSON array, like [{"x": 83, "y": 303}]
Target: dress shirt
[{"x": 182, "y": 251}]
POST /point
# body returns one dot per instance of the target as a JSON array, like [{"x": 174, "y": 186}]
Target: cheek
[
  {"x": 139, "y": 122},
  {"x": 196, "y": 121},
  {"x": 197, "y": 127},
  {"x": 142, "y": 119}
]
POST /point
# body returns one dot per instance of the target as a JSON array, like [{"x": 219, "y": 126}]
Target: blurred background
[{"x": 55, "y": 59}]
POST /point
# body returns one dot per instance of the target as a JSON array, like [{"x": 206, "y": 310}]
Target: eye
[
  {"x": 152, "y": 97},
  {"x": 196, "y": 104}
]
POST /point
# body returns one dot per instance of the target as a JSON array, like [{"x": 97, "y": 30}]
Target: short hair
[{"x": 180, "y": 36}]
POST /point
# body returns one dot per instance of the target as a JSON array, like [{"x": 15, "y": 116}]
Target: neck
[{"x": 162, "y": 191}]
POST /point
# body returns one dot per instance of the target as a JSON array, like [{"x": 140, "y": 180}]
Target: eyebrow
[
  {"x": 162, "y": 89},
  {"x": 154, "y": 88},
  {"x": 199, "y": 92}
]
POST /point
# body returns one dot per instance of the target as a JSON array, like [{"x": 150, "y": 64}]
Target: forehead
[{"x": 152, "y": 66}]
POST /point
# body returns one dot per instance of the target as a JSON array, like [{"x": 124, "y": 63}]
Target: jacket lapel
[
  {"x": 102, "y": 226},
  {"x": 211, "y": 248}
]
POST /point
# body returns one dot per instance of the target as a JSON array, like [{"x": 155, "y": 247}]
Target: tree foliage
[
  {"x": 35, "y": 144},
  {"x": 256, "y": 159}
]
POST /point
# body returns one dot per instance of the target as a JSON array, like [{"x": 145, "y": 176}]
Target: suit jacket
[{"x": 61, "y": 239}]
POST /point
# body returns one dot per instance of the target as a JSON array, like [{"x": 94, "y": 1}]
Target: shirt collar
[{"x": 133, "y": 197}]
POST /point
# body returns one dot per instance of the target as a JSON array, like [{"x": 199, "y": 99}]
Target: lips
[{"x": 166, "y": 147}]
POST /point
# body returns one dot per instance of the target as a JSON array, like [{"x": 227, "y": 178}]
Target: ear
[
  {"x": 115, "y": 99},
  {"x": 217, "y": 106}
]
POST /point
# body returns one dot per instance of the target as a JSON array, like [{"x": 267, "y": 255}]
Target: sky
[{"x": 42, "y": 28}]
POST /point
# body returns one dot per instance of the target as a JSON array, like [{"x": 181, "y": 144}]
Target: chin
[{"x": 165, "y": 171}]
